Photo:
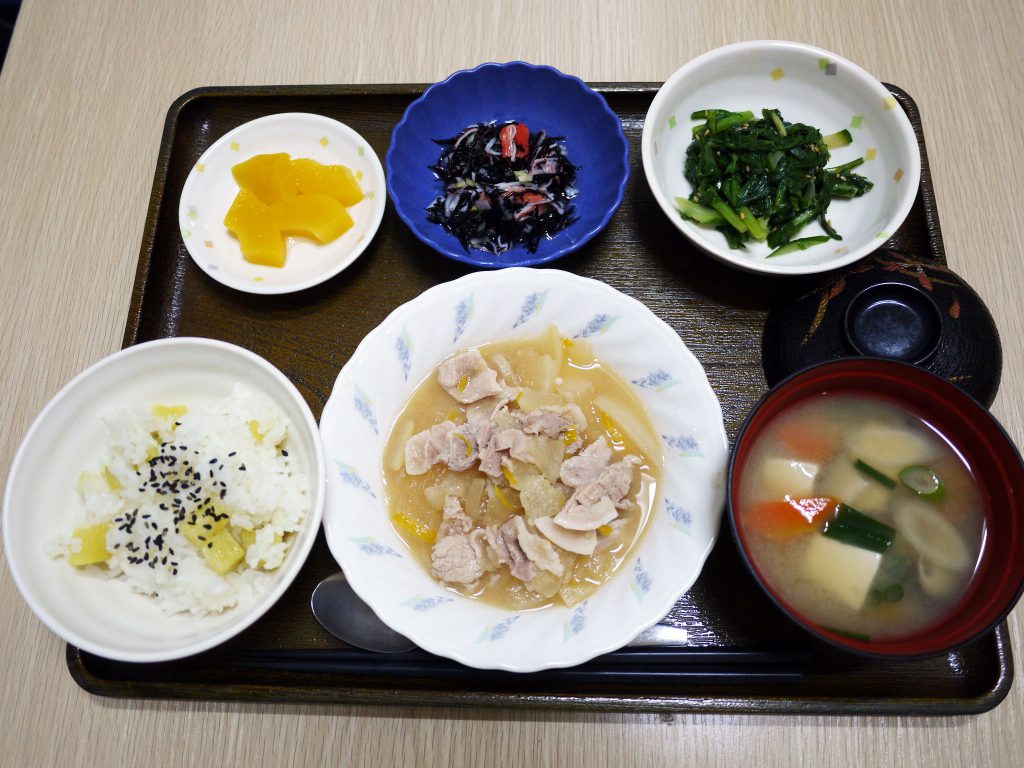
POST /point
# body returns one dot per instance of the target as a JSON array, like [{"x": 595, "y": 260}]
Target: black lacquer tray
[{"x": 741, "y": 654}]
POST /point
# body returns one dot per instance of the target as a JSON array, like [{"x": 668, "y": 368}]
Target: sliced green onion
[
  {"x": 922, "y": 481},
  {"x": 858, "y": 530},
  {"x": 877, "y": 475},
  {"x": 892, "y": 593}
]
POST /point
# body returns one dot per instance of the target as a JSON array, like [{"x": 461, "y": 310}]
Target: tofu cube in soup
[
  {"x": 843, "y": 570},
  {"x": 782, "y": 477}
]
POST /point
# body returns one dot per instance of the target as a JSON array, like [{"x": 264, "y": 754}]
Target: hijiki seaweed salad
[{"x": 503, "y": 187}]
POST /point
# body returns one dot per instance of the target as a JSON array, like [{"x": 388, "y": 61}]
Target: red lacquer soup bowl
[{"x": 972, "y": 432}]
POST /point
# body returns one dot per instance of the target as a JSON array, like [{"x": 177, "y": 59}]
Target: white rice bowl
[
  {"x": 100, "y": 425},
  {"x": 390, "y": 363}
]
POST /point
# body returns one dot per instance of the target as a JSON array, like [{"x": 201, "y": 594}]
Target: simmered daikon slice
[{"x": 623, "y": 419}]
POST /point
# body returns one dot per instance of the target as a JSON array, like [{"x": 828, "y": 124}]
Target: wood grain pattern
[{"x": 83, "y": 95}]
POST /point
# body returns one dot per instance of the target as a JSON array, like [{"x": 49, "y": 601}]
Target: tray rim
[{"x": 739, "y": 704}]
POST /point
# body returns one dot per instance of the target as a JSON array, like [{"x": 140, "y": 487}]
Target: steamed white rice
[{"x": 232, "y": 457}]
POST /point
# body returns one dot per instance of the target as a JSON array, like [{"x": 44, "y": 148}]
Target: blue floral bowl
[
  {"x": 544, "y": 99},
  {"x": 376, "y": 383}
]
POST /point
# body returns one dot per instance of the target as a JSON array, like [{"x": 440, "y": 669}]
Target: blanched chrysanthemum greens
[{"x": 765, "y": 179}]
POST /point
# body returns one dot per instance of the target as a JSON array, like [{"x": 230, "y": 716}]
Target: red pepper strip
[
  {"x": 508, "y": 141},
  {"x": 515, "y": 141},
  {"x": 522, "y": 140}
]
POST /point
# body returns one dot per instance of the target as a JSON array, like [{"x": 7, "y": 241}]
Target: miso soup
[
  {"x": 861, "y": 516},
  {"x": 522, "y": 472}
]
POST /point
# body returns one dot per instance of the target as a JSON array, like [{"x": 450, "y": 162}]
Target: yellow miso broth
[{"x": 860, "y": 516}]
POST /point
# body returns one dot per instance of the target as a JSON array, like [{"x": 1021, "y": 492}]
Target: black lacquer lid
[{"x": 892, "y": 305}]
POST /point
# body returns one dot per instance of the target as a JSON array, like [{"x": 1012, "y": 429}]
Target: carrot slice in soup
[
  {"x": 789, "y": 518},
  {"x": 807, "y": 443}
]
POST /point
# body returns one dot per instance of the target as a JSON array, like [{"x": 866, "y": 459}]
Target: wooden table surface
[{"x": 83, "y": 95}]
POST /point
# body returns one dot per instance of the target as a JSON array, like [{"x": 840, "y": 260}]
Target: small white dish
[
  {"x": 210, "y": 189},
  {"x": 103, "y": 616},
  {"x": 808, "y": 85},
  {"x": 390, "y": 363}
]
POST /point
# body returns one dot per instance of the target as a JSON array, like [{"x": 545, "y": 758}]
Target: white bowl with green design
[
  {"x": 807, "y": 85},
  {"x": 210, "y": 189},
  {"x": 481, "y": 307}
]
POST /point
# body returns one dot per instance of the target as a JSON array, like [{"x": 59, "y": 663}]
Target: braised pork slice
[
  {"x": 429, "y": 447},
  {"x": 457, "y": 556},
  {"x": 497, "y": 444},
  {"x": 468, "y": 378},
  {"x": 504, "y": 540},
  {"x": 456, "y": 559},
  {"x": 453, "y": 520},
  {"x": 579, "y": 470},
  {"x": 613, "y": 483},
  {"x": 551, "y": 420},
  {"x": 445, "y": 443},
  {"x": 596, "y": 503}
]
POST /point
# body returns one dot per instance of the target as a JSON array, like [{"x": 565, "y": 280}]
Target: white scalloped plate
[
  {"x": 394, "y": 358},
  {"x": 210, "y": 189}
]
